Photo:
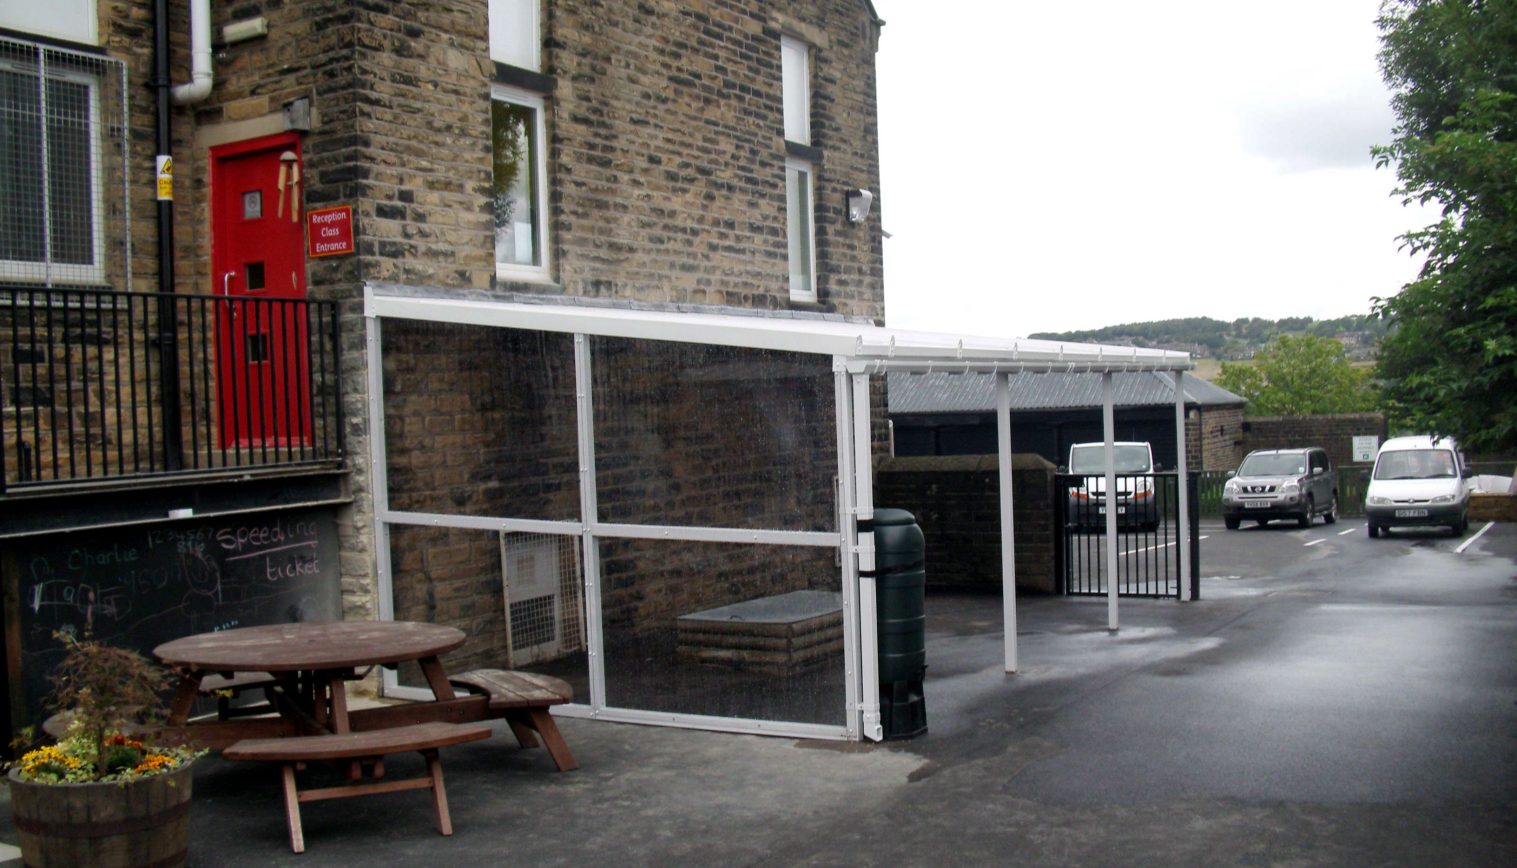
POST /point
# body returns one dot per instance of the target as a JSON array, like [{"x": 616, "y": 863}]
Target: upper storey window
[
  {"x": 73, "y": 20},
  {"x": 795, "y": 68},
  {"x": 514, "y": 34}
]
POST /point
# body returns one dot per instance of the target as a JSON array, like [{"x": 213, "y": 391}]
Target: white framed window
[
  {"x": 515, "y": 33},
  {"x": 795, "y": 72},
  {"x": 520, "y": 184},
  {"x": 73, "y": 20},
  {"x": 800, "y": 228},
  {"x": 50, "y": 175}
]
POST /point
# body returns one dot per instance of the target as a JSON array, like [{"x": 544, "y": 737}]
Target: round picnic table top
[{"x": 309, "y": 646}]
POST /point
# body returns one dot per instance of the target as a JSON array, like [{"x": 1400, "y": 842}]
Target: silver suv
[{"x": 1298, "y": 484}]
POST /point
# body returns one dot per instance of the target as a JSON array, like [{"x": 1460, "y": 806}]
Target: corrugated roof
[{"x": 975, "y": 393}]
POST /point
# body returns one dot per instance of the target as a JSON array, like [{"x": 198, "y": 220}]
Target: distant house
[{"x": 954, "y": 414}]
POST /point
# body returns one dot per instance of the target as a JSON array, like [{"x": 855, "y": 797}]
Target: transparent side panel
[
  {"x": 713, "y": 436},
  {"x": 741, "y": 631},
  {"x": 480, "y": 421},
  {"x": 518, "y": 598}
]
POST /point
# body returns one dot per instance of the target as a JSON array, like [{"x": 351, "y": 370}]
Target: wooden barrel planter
[{"x": 104, "y": 825}]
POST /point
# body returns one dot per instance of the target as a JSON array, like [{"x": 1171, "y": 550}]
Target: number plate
[
  {"x": 1255, "y": 504},
  {"x": 1411, "y": 513}
]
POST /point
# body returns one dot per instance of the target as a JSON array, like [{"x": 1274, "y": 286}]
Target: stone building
[{"x": 280, "y": 156}]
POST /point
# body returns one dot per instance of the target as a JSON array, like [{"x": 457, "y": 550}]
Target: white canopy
[{"x": 866, "y": 348}]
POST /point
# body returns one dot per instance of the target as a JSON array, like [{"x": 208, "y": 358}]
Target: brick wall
[
  {"x": 956, "y": 501},
  {"x": 1334, "y": 432},
  {"x": 1214, "y": 439}
]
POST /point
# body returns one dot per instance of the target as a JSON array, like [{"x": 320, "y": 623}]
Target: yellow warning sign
[{"x": 165, "y": 178}]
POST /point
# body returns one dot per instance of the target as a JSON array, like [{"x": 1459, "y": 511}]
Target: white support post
[
  {"x": 1109, "y": 431},
  {"x": 869, "y": 645},
  {"x": 848, "y": 541},
  {"x": 1008, "y": 521},
  {"x": 1182, "y": 471},
  {"x": 589, "y": 514},
  {"x": 379, "y": 482}
]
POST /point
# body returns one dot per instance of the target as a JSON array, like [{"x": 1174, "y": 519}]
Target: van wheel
[
  {"x": 1261, "y": 521},
  {"x": 1231, "y": 522},
  {"x": 1331, "y": 516},
  {"x": 1374, "y": 530},
  {"x": 1305, "y": 518}
]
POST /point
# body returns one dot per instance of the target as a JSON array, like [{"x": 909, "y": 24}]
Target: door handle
[{"x": 226, "y": 292}]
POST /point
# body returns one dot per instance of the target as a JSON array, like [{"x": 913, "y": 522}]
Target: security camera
[{"x": 858, "y": 205}]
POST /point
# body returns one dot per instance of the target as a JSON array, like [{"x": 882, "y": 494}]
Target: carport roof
[
  {"x": 863, "y": 347},
  {"x": 975, "y": 393}
]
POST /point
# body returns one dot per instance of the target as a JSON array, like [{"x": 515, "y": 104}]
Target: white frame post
[
  {"x": 869, "y": 644},
  {"x": 1008, "y": 520},
  {"x": 589, "y": 515},
  {"x": 1181, "y": 475},
  {"x": 1109, "y": 433},
  {"x": 848, "y": 538}
]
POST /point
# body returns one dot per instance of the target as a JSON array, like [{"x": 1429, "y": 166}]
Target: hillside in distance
[{"x": 1238, "y": 339}]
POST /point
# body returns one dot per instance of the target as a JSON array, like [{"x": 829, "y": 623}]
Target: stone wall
[
  {"x": 1333, "y": 432},
  {"x": 956, "y": 501}
]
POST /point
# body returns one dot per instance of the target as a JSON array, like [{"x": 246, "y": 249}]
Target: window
[
  {"x": 795, "y": 70},
  {"x": 799, "y": 193},
  {"x": 73, "y": 20},
  {"x": 520, "y": 184},
  {"x": 514, "y": 32},
  {"x": 50, "y": 175},
  {"x": 800, "y": 184}
]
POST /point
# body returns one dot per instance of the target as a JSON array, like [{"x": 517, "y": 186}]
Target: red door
[{"x": 258, "y": 263}]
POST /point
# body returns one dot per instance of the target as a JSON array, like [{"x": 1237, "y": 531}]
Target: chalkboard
[{"x": 142, "y": 585}]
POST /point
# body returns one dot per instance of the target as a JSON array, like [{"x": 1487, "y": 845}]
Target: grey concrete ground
[{"x": 1332, "y": 700}]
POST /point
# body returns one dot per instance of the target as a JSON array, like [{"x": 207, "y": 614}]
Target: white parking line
[
  {"x": 1347, "y": 532},
  {"x": 1471, "y": 541},
  {"x": 1315, "y": 541}
]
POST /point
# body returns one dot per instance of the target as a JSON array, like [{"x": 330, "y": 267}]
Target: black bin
[{"x": 900, "y": 588}]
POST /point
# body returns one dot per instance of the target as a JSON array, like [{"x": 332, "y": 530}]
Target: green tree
[
  {"x": 1449, "y": 361},
  {"x": 1299, "y": 376}
]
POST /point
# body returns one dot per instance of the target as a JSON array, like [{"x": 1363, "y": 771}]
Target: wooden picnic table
[{"x": 310, "y": 661}]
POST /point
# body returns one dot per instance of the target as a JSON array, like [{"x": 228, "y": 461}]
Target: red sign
[{"x": 330, "y": 231}]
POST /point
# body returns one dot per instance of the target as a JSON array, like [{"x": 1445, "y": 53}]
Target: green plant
[{"x": 105, "y": 693}]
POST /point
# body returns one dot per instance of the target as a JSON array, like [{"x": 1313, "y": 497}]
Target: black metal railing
[
  {"x": 1148, "y": 544},
  {"x": 99, "y": 385}
]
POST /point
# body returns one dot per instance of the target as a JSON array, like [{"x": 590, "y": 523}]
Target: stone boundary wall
[
  {"x": 1333, "y": 432},
  {"x": 1493, "y": 507},
  {"x": 956, "y": 502}
]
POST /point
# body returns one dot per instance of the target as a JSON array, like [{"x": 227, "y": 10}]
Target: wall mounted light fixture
[{"x": 858, "y": 205}]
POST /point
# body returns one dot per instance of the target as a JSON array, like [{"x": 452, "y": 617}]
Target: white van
[{"x": 1418, "y": 481}]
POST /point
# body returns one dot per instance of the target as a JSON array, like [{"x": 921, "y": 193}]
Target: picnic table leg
[
  {"x": 292, "y": 810},
  {"x": 553, "y": 740},
  {"x": 338, "y": 692},
  {"x": 439, "y": 792},
  {"x": 437, "y": 679},
  {"x": 184, "y": 697}
]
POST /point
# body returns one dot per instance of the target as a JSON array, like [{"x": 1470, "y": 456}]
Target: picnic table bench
[{"x": 365, "y": 749}]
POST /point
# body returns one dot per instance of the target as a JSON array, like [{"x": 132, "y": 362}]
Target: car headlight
[
  {"x": 1443, "y": 498},
  {"x": 1290, "y": 487},
  {"x": 1231, "y": 487},
  {"x": 1378, "y": 501}
]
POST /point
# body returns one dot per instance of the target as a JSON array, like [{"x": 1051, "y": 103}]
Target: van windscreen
[{"x": 1416, "y": 464}]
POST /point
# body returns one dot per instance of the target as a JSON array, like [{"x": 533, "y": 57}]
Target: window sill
[{"x": 803, "y": 152}]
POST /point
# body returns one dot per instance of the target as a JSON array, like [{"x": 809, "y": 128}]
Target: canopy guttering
[{"x": 859, "y": 347}]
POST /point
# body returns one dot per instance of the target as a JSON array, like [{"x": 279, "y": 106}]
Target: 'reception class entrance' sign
[{"x": 329, "y": 231}]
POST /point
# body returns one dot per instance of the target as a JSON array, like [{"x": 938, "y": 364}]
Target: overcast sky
[{"x": 1049, "y": 166}]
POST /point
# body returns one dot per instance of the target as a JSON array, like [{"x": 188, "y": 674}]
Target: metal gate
[{"x": 1148, "y": 528}]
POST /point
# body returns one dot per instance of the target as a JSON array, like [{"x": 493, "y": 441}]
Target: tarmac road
[{"x": 1331, "y": 700}]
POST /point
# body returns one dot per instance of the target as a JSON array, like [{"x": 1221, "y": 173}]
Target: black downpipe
[{"x": 168, "y": 338}]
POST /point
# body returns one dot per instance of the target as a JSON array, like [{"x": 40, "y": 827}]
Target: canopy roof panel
[{"x": 861, "y": 346}]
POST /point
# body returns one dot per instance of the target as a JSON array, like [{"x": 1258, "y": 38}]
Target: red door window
[{"x": 258, "y": 263}]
